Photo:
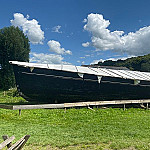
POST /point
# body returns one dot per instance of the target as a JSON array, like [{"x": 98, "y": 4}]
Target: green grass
[
  {"x": 10, "y": 97},
  {"x": 83, "y": 128}
]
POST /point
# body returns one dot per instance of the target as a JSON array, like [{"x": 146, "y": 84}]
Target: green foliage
[
  {"x": 13, "y": 92},
  {"x": 140, "y": 63},
  {"x": 111, "y": 128},
  {"x": 116, "y": 128},
  {"x": 11, "y": 96},
  {"x": 14, "y": 45}
]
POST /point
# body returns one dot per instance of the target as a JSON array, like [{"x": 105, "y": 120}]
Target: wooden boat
[{"x": 67, "y": 83}]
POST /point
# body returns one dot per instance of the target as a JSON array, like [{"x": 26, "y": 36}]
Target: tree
[
  {"x": 14, "y": 46},
  {"x": 140, "y": 63}
]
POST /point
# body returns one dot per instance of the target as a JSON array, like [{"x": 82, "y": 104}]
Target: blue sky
[{"x": 67, "y": 24}]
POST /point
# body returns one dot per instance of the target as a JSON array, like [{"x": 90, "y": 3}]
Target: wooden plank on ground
[
  {"x": 6, "y": 106},
  {"x": 7, "y": 141},
  {"x": 20, "y": 143},
  {"x": 5, "y": 137},
  {"x": 26, "y": 137},
  {"x": 17, "y": 144}
]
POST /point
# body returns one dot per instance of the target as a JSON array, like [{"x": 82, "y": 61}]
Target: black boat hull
[{"x": 56, "y": 86}]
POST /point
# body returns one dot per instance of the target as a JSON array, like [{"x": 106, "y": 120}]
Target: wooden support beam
[
  {"x": 42, "y": 106},
  {"x": 6, "y": 106},
  {"x": 96, "y": 103},
  {"x": 19, "y": 112},
  {"x": 20, "y": 143},
  {"x": 26, "y": 139},
  {"x": 17, "y": 145},
  {"x": 6, "y": 142},
  {"x": 75, "y": 104},
  {"x": 5, "y": 137},
  {"x": 147, "y": 106},
  {"x": 91, "y": 108},
  {"x": 124, "y": 106}
]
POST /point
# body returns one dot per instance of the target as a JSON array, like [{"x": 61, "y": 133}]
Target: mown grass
[{"x": 83, "y": 128}]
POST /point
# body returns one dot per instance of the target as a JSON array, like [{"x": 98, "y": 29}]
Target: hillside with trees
[
  {"x": 140, "y": 63},
  {"x": 14, "y": 45}
]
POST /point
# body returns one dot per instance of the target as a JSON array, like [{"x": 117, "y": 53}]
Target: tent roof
[{"x": 125, "y": 74}]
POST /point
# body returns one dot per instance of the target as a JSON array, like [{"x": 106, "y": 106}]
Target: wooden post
[
  {"x": 4, "y": 93},
  {"x": 147, "y": 106},
  {"x": 90, "y": 108},
  {"x": 65, "y": 110},
  {"x": 19, "y": 112},
  {"x": 97, "y": 107},
  {"x": 124, "y": 106}
]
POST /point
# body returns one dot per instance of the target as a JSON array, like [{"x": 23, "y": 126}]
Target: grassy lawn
[{"x": 83, "y": 128}]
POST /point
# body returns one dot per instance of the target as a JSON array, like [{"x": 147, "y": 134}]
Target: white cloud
[
  {"x": 96, "y": 61},
  {"x": 82, "y": 57},
  {"x": 27, "y": 16},
  {"x": 83, "y": 62},
  {"x": 87, "y": 55},
  {"x": 134, "y": 43},
  {"x": 85, "y": 20},
  {"x": 113, "y": 59},
  {"x": 46, "y": 58},
  {"x": 121, "y": 58},
  {"x": 56, "y": 29},
  {"x": 54, "y": 46},
  {"x": 30, "y": 27},
  {"x": 85, "y": 44}
]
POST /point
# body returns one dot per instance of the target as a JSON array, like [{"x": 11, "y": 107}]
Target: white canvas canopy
[{"x": 100, "y": 72}]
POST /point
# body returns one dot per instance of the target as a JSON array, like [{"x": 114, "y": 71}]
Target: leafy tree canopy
[
  {"x": 14, "y": 45},
  {"x": 140, "y": 63}
]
